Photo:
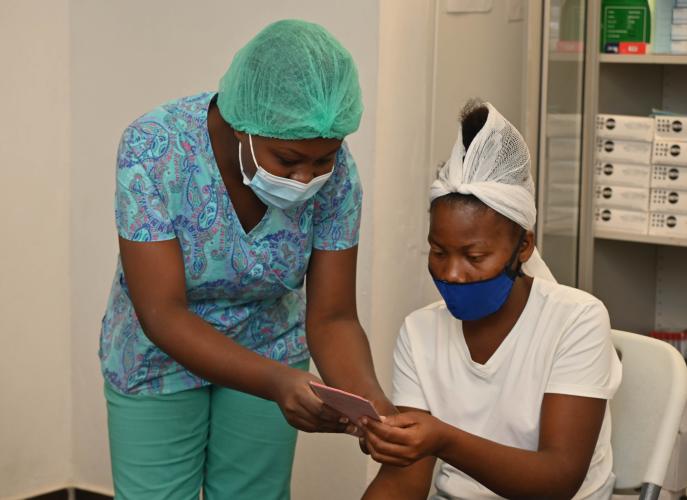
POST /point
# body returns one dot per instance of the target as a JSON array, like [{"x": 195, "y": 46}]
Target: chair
[{"x": 646, "y": 411}]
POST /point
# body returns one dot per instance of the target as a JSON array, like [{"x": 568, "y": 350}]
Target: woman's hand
[
  {"x": 301, "y": 407},
  {"x": 403, "y": 439}
]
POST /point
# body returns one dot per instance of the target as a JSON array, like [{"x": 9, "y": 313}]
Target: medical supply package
[
  {"x": 666, "y": 224},
  {"x": 630, "y": 128},
  {"x": 669, "y": 177},
  {"x": 671, "y": 128},
  {"x": 669, "y": 152},
  {"x": 625, "y": 26},
  {"x": 668, "y": 200},
  {"x": 623, "y": 151},
  {"x": 622, "y": 221},
  {"x": 626, "y": 198},
  {"x": 622, "y": 174}
]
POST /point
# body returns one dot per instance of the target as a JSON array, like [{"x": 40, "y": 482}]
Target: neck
[{"x": 224, "y": 144}]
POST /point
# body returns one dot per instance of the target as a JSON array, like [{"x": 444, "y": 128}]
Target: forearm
[
  {"x": 410, "y": 483},
  {"x": 510, "y": 472},
  {"x": 206, "y": 352},
  {"x": 342, "y": 354}
]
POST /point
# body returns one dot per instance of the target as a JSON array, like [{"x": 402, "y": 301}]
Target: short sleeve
[
  {"x": 140, "y": 211},
  {"x": 585, "y": 362},
  {"x": 336, "y": 217},
  {"x": 407, "y": 390}
]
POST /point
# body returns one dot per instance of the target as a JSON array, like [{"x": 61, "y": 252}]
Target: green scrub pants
[{"x": 229, "y": 444}]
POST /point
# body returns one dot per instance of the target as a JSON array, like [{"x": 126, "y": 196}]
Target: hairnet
[
  {"x": 496, "y": 170},
  {"x": 293, "y": 80}
]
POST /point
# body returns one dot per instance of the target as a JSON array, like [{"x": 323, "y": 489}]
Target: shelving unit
[
  {"x": 641, "y": 238},
  {"x": 642, "y": 59}
]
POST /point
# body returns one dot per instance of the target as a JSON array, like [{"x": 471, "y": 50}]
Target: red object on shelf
[{"x": 632, "y": 48}]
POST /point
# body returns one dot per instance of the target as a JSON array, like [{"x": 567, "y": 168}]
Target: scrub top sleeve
[
  {"x": 336, "y": 216},
  {"x": 407, "y": 390},
  {"x": 140, "y": 211},
  {"x": 585, "y": 362}
]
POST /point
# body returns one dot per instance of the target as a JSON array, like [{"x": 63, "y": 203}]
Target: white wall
[
  {"x": 127, "y": 57},
  {"x": 35, "y": 394}
]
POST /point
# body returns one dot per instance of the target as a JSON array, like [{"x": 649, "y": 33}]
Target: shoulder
[
  {"x": 564, "y": 298},
  {"x": 151, "y": 136},
  {"x": 426, "y": 323}
]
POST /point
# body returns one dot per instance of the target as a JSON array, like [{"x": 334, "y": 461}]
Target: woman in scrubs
[{"x": 226, "y": 204}]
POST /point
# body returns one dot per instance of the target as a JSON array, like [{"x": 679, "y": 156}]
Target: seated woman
[{"x": 506, "y": 380}]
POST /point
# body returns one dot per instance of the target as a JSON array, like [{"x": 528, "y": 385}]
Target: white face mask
[{"x": 276, "y": 191}]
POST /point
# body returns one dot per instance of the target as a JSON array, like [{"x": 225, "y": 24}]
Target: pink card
[{"x": 352, "y": 406}]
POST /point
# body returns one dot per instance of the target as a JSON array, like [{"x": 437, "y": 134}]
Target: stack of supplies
[
  {"x": 622, "y": 172},
  {"x": 678, "y": 33},
  {"x": 562, "y": 179},
  {"x": 668, "y": 202}
]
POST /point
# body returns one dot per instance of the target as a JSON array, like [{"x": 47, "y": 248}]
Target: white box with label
[
  {"x": 622, "y": 221},
  {"x": 668, "y": 200},
  {"x": 665, "y": 224},
  {"x": 623, "y": 151},
  {"x": 631, "y": 128},
  {"x": 669, "y": 176},
  {"x": 671, "y": 128},
  {"x": 669, "y": 152},
  {"x": 628, "y": 198},
  {"x": 622, "y": 174}
]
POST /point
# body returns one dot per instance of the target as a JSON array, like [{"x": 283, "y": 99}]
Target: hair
[{"x": 473, "y": 116}]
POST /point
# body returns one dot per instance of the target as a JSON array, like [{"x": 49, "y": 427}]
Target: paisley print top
[{"x": 247, "y": 286}]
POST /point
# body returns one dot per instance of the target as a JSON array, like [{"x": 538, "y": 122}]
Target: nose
[
  {"x": 304, "y": 175},
  {"x": 453, "y": 272}
]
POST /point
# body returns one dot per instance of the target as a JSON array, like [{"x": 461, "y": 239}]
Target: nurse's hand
[{"x": 302, "y": 408}]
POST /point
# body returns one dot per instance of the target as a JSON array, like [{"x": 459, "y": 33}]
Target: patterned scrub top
[{"x": 247, "y": 286}]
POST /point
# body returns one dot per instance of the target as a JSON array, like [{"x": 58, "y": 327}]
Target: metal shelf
[
  {"x": 643, "y": 58},
  {"x": 640, "y": 238}
]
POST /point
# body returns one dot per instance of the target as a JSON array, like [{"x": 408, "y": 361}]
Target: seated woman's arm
[
  {"x": 410, "y": 483},
  {"x": 569, "y": 430}
]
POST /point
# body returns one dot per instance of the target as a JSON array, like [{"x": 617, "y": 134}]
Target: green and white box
[
  {"x": 671, "y": 128},
  {"x": 630, "y": 128},
  {"x": 669, "y": 177},
  {"x": 628, "y": 198},
  {"x": 621, "y": 221},
  {"x": 622, "y": 174},
  {"x": 668, "y": 200},
  {"x": 623, "y": 151},
  {"x": 669, "y": 153},
  {"x": 666, "y": 224}
]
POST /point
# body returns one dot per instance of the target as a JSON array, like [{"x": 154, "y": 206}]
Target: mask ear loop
[{"x": 517, "y": 272}]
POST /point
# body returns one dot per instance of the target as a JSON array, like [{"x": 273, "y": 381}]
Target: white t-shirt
[{"x": 560, "y": 344}]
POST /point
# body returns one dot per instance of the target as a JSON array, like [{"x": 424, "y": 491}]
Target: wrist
[{"x": 444, "y": 436}]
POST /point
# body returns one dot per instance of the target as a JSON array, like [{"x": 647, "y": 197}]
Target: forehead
[
  {"x": 459, "y": 224},
  {"x": 303, "y": 146}
]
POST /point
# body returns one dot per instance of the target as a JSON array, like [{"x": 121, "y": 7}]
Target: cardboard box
[
  {"x": 669, "y": 177},
  {"x": 671, "y": 128},
  {"x": 668, "y": 200},
  {"x": 622, "y": 174},
  {"x": 627, "y": 198},
  {"x": 622, "y": 221},
  {"x": 630, "y": 128},
  {"x": 671, "y": 225},
  {"x": 669, "y": 152},
  {"x": 623, "y": 151}
]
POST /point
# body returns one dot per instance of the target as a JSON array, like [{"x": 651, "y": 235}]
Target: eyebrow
[
  {"x": 281, "y": 149},
  {"x": 467, "y": 246}
]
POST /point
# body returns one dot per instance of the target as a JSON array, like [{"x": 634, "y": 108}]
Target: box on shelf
[
  {"x": 621, "y": 221},
  {"x": 563, "y": 148},
  {"x": 671, "y": 128},
  {"x": 669, "y": 152},
  {"x": 665, "y": 224},
  {"x": 669, "y": 177},
  {"x": 678, "y": 32},
  {"x": 630, "y": 128},
  {"x": 668, "y": 200},
  {"x": 625, "y": 26},
  {"x": 622, "y": 174},
  {"x": 680, "y": 15},
  {"x": 623, "y": 151},
  {"x": 678, "y": 47},
  {"x": 564, "y": 125},
  {"x": 628, "y": 198}
]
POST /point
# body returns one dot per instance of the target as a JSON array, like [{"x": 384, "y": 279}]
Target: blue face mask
[{"x": 479, "y": 299}]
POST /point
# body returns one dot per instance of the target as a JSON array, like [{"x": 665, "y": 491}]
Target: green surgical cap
[{"x": 293, "y": 80}]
